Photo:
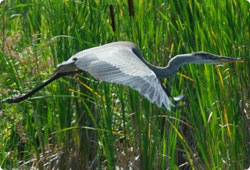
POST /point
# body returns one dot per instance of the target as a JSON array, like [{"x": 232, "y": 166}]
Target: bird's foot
[
  {"x": 15, "y": 99},
  {"x": 5, "y": 101}
]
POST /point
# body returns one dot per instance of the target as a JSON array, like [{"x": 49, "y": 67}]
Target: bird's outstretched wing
[{"x": 120, "y": 65}]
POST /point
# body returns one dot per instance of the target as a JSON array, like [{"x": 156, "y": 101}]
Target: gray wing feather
[{"x": 122, "y": 66}]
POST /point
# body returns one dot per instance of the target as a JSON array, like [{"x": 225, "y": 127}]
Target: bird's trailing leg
[{"x": 21, "y": 98}]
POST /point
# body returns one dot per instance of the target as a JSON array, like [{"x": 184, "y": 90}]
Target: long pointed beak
[{"x": 223, "y": 59}]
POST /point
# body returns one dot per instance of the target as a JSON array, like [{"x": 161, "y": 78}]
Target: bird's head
[
  {"x": 204, "y": 57},
  {"x": 196, "y": 58}
]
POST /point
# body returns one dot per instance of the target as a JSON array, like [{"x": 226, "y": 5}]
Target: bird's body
[
  {"x": 120, "y": 63},
  {"x": 123, "y": 63}
]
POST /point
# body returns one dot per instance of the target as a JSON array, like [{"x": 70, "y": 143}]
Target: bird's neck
[
  {"x": 162, "y": 72},
  {"x": 173, "y": 66},
  {"x": 171, "y": 69}
]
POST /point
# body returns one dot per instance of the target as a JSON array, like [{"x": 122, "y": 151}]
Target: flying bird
[{"x": 123, "y": 63}]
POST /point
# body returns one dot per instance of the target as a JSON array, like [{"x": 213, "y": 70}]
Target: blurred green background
[{"x": 70, "y": 126}]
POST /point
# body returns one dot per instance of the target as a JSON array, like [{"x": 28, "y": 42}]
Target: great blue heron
[{"x": 123, "y": 63}]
